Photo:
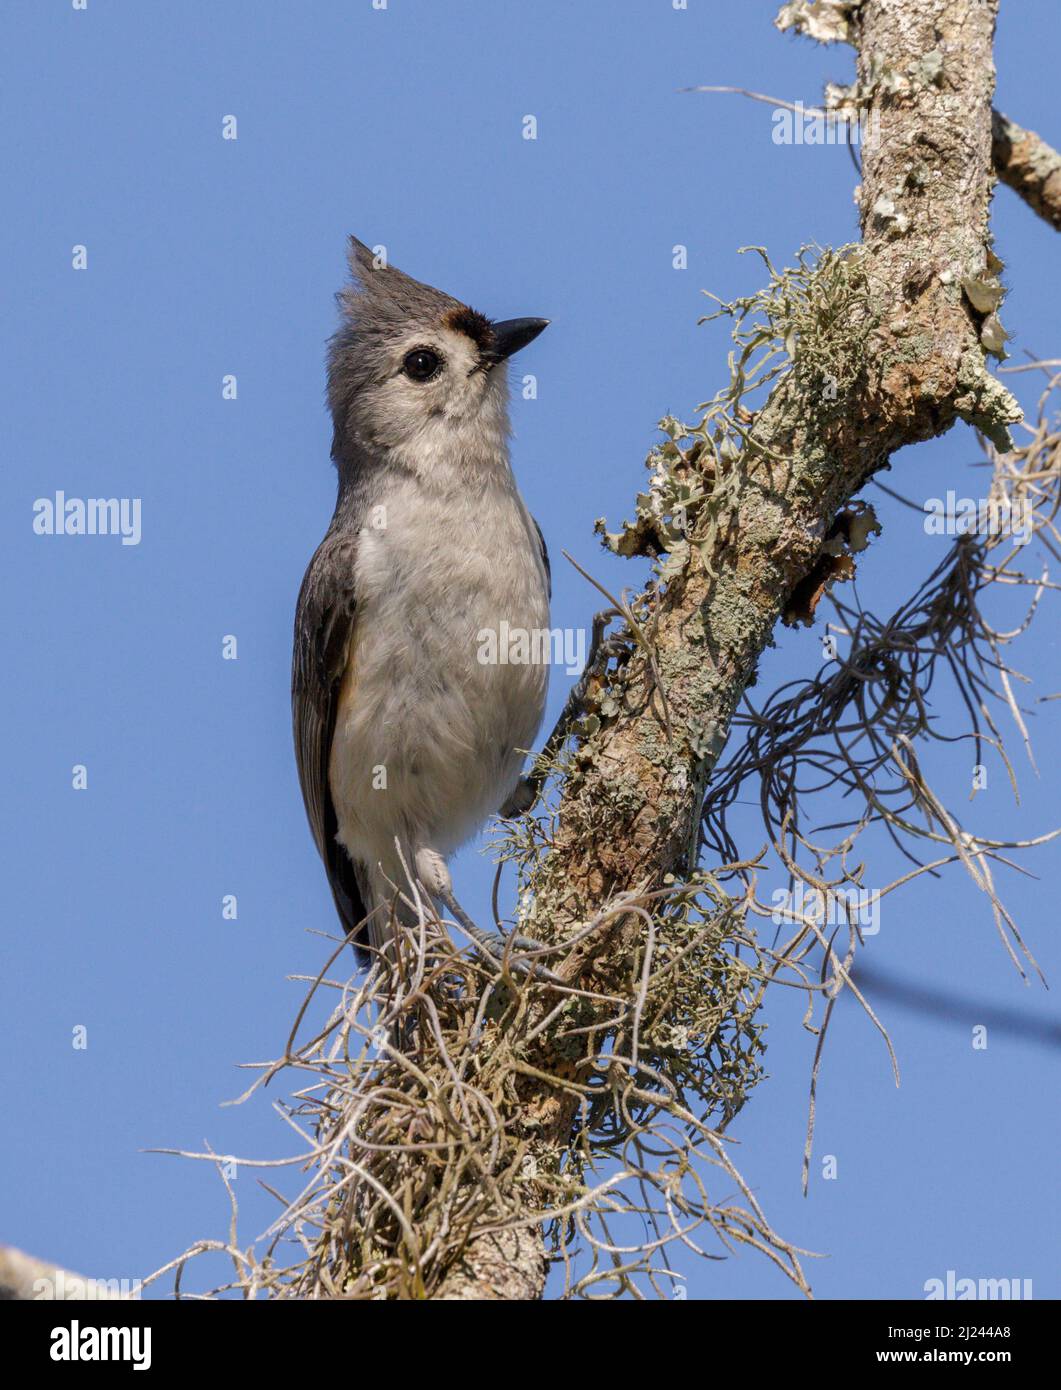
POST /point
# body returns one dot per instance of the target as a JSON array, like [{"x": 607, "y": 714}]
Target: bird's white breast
[{"x": 428, "y": 735}]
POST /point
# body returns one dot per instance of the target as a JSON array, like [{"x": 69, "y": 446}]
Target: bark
[
  {"x": 630, "y": 816},
  {"x": 1027, "y": 164},
  {"x": 506, "y": 1267}
]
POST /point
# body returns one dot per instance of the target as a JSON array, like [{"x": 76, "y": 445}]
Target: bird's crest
[{"x": 381, "y": 295}]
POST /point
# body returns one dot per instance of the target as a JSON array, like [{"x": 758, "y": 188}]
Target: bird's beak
[{"x": 512, "y": 334}]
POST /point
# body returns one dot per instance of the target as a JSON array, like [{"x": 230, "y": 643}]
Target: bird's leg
[
  {"x": 528, "y": 788},
  {"x": 432, "y": 872}
]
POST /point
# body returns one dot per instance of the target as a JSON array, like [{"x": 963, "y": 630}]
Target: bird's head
[{"x": 412, "y": 369}]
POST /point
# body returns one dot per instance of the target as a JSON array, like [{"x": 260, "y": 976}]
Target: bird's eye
[{"x": 422, "y": 364}]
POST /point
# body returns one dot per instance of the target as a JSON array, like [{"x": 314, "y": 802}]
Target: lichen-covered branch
[
  {"x": 1022, "y": 159},
  {"x": 912, "y": 359},
  {"x": 1028, "y": 165}
]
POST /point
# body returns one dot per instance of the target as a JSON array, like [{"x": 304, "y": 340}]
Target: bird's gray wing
[
  {"x": 545, "y": 560},
  {"x": 324, "y": 625}
]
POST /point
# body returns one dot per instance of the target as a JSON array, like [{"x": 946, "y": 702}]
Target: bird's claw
[
  {"x": 434, "y": 875},
  {"x": 492, "y": 949}
]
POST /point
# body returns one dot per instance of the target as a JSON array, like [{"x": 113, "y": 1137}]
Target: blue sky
[{"x": 209, "y": 257}]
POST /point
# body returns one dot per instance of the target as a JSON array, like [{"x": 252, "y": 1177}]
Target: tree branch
[
  {"x": 914, "y": 361},
  {"x": 1027, "y": 164}
]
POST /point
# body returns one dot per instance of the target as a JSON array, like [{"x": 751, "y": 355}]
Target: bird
[{"x": 406, "y": 740}]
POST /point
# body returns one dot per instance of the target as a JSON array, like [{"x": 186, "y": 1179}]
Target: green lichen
[{"x": 806, "y": 330}]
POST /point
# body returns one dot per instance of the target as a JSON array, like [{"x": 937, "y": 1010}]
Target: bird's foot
[
  {"x": 492, "y": 948},
  {"x": 435, "y": 876}
]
